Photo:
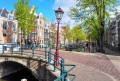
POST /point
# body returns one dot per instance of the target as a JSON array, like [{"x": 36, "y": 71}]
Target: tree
[
  {"x": 53, "y": 33},
  {"x": 94, "y": 8},
  {"x": 66, "y": 33},
  {"x": 91, "y": 23},
  {"x": 25, "y": 16},
  {"x": 78, "y": 34}
]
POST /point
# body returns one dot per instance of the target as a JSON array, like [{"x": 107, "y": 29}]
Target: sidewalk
[
  {"x": 113, "y": 57},
  {"x": 109, "y": 52}
]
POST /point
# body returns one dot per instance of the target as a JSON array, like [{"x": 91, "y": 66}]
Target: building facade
[
  {"x": 53, "y": 34},
  {"x": 8, "y": 27},
  {"x": 40, "y": 30},
  {"x": 46, "y": 34},
  {"x": 113, "y": 33}
]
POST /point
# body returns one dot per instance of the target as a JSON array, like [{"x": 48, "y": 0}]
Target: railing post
[
  {"x": 12, "y": 50},
  {"x": 62, "y": 68},
  {"x": 21, "y": 49},
  {"x": 32, "y": 50},
  {"x": 3, "y": 49},
  {"x": 46, "y": 52},
  {"x": 66, "y": 79},
  {"x": 54, "y": 62},
  {"x": 49, "y": 56}
]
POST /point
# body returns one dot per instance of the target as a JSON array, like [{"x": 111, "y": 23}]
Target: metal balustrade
[{"x": 51, "y": 58}]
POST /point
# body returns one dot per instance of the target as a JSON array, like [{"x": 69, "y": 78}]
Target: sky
[{"x": 46, "y": 7}]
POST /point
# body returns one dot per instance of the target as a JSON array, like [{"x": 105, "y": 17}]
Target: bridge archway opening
[{"x": 13, "y": 71}]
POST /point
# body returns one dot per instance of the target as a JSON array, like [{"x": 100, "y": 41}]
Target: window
[
  {"x": 14, "y": 27},
  {"x": 38, "y": 27},
  {"x": 40, "y": 33},
  {"x": 40, "y": 22},
  {"x": 4, "y": 25},
  {"x": 42, "y": 41},
  {"x": 10, "y": 17},
  {"x": 4, "y": 34},
  {"x": 46, "y": 30},
  {"x": 45, "y": 25}
]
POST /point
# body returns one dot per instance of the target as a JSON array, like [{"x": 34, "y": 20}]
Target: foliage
[
  {"x": 78, "y": 33},
  {"x": 91, "y": 23},
  {"x": 25, "y": 16},
  {"x": 66, "y": 33},
  {"x": 53, "y": 33},
  {"x": 93, "y": 11}
]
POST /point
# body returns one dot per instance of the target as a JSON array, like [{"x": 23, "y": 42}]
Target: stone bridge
[{"x": 10, "y": 64}]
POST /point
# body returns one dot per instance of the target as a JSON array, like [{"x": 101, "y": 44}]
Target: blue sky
[{"x": 46, "y": 7}]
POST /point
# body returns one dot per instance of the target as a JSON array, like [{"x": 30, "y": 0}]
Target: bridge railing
[
  {"x": 51, "y": 58},
  {"x": 64, "y": 73}
]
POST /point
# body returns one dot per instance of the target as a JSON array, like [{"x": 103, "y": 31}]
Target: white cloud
[{"x": 65, "y": 5}]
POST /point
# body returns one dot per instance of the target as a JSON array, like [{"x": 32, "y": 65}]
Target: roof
[
  {"x": 4, "y": 12},
  {"x": 0, "y": 10}
]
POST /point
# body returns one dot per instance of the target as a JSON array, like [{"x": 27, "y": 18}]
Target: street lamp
[
  {"x": 59, "y": 13},
  {"x": 90, "y": 40}
]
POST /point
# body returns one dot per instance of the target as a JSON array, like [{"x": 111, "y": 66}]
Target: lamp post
[
  {"x": 59, "y": 13},
  {"x": 90, "y": 40}
]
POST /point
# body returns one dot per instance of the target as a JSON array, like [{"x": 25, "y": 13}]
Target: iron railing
[{"x": 51, "y": 58}]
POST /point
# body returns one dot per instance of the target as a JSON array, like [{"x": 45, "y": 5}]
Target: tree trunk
[
  {"x": 98, "y": 42},
  {"x": 101, "y": 44}
]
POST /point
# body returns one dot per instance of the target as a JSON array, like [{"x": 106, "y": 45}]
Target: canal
[{"x": 24, "y": 73}]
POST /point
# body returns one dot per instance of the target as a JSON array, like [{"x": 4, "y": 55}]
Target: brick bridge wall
[{"x": 36, "y": 65}]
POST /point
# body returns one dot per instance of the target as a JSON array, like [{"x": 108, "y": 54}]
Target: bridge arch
[{"x": 11, "y": 67}]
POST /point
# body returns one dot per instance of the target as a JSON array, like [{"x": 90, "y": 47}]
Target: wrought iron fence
[{"x": 51, "y": 58}]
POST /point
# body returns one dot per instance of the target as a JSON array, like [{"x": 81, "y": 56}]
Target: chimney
[{"x": 12, "y": 12}]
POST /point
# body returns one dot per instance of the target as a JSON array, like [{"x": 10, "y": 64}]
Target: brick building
[
  {"x": 8, "y": 27},
  {"x": 40, "y": 30}
]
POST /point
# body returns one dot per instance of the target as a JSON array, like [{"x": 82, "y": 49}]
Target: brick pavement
[
  {"x": 91, "y": 67},
  {"x": 98, "y": 62}
]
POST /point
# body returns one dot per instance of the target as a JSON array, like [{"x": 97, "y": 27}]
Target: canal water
[{"x": 25, "y": 73}]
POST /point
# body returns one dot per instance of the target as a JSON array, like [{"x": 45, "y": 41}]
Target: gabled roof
[
  {"x": 0, "y": 11},
  {"x": 4, "y": 12}
]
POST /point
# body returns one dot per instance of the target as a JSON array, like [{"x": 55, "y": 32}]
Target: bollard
[
  {"x": 24, "y": 79},
  {"x": 32, "y": 50},
  {"x": 62, "y": 68},
  {"x": 54, "y": 62},
  {"x": 21, "y": 49},
  {"x": 3, "y": 49},
  {"x": 12, "y": 50},
  {"x": 46, "y": 52}
]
